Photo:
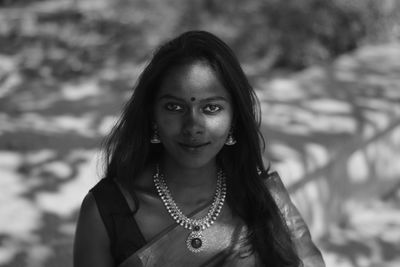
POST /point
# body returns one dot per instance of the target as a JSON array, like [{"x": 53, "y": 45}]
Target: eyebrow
[{"x": 212, "y": 98}]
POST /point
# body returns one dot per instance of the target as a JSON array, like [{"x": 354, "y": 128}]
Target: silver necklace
[{"x": 195, "y": 241}]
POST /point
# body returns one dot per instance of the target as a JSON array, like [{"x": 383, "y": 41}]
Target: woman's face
[{"x": 193, "y": 113}]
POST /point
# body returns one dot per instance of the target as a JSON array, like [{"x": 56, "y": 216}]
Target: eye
[
  {"x": 212, "y": 108},
  {"x": 173, "y": 107}
]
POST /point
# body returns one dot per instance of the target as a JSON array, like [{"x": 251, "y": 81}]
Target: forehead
[{"x": 197, "y": 79}]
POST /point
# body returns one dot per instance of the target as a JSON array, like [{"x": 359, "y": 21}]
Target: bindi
[{"x": 192, "y": 99}]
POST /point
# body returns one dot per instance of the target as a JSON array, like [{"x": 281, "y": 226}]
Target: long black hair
[{"x": 128, "y": 149}]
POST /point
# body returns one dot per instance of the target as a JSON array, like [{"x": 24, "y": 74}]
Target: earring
[
  {"x": 155, "y": 137},
  {"x": 230, "y": 140}
]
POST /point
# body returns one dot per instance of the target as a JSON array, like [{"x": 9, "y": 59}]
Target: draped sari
[
  {"x": 169, "y": 247},
  {"x": 224, "y": 241}
]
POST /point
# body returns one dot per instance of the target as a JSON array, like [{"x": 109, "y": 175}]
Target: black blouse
[{"x": 123, "y": 231}]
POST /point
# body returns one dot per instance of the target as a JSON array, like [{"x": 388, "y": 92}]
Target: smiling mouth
[{"x": 194, "y": 146}]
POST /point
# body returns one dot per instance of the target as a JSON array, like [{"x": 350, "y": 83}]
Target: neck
[
  {"x": 189, "y": 184},
  {"x": 189, "y": 177}
]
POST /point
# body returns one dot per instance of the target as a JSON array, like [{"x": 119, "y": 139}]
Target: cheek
[
  {"x": 168, "y": 126},
  {"x": 219, "y": 127}
]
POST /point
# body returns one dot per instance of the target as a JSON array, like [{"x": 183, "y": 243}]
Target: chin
[{"x": 193, "y": 159}]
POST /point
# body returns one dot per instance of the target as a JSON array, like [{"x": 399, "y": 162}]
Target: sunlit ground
[{"x": 332, "y": 131}]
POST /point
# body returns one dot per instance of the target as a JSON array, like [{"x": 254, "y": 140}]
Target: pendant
[{"x": 195, "y": 242}]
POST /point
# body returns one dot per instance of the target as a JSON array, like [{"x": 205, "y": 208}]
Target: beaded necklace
[{"x": 195, "y": 241}]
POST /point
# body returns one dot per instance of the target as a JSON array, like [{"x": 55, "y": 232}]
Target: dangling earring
[
  {"x": 155, "y": 137},
  {"x": 230, "y": 140}
]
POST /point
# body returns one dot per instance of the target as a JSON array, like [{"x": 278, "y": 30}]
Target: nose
[{"x": 193, "y": 124}]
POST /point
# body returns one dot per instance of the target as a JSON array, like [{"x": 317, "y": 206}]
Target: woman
[{"x": 185, "y": 183}]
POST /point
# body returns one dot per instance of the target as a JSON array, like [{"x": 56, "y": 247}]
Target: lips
[{"x": 194, "y": 146}]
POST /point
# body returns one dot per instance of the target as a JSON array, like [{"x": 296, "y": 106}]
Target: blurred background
[{"x": 327, "y": 74}]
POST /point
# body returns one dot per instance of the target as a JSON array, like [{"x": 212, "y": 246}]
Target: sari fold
[
  {"x": 306, "y": 249},
  {"x": 169, "y": 247}
]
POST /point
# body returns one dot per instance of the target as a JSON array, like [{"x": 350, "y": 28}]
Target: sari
[{"x": 225, "y": 240}]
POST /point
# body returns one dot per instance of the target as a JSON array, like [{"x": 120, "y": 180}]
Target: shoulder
[
  {"x": 89, "y": 217},
  {"x": 89, "y": 204},
  {"x": 103, "y": 186},
  {"x": 272, "y": 180},
  {"x": 276, "y": 188},
  {"x": 107, "y": 195},
  {"x": 91, "y": 238}
]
